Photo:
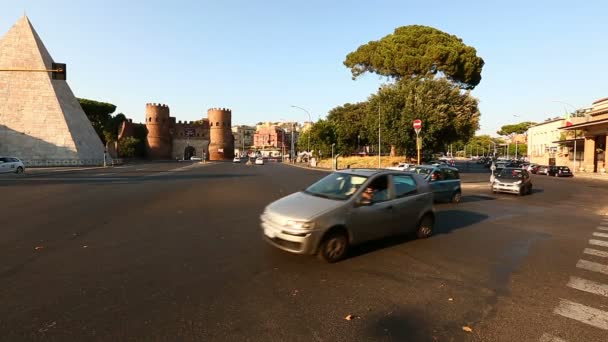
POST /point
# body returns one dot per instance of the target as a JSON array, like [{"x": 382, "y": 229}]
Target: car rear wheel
[
  {"x": 425, "y": 227},
  {"x": 19, "y": 170},
  {"x": 456, "y": 197},
  {"x": 333, "y": 247}
]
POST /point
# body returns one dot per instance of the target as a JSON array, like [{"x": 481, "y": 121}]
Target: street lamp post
[
  {"x": 574, "y": 157},
  {"x": 309, "y": 120},
  {"x": 333, "y": 167}
]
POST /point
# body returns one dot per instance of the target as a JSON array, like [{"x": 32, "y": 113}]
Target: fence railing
[{"x": 69, "y": 162}]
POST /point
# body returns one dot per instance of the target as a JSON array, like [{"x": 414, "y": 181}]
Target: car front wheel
[
  {"x": 456, "y": 197},
  {"x": 333, "y": 247},
  {"x": 19, "y": 170},
  {"x": 425, "y": 227}
]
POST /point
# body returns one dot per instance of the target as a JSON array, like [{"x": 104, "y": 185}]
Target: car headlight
[
  {"x": 299, "y": 224},
  {"x": 517, "y": 183}
]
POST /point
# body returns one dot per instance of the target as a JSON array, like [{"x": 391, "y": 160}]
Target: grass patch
[{"x": 362, "y": 162}]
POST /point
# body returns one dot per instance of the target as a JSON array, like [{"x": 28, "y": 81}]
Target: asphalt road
[{"x": 173, "y": 251}]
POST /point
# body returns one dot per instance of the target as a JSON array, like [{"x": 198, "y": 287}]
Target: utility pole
[{"x": 379, "y": 146}]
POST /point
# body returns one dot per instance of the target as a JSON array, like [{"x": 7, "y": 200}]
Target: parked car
[
  {"x": 236, "y": 159},
  {"x": 512, "y": 180},
  {"x": 444, "y": 181},
  {"x": 533, "y": 169},
  {"x": 560, "y": 171},
  {"x": 400, "y": 167},
  {"x": 542, "y": 170},
  {"x": 349, "y": 207},
  {"x": 11, "y": 165},
  {"x": 259, "y": 161}
]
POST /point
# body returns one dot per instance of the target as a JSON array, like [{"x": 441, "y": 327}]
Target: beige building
[
  {"x": 592, "y": 130},
  {"x": 243, "y": 136}
]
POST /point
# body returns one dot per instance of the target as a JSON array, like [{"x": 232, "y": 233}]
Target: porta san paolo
[{"x": 209, "y": 138}]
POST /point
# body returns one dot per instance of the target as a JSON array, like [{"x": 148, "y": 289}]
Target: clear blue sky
[{"x": 260, "y": 57}]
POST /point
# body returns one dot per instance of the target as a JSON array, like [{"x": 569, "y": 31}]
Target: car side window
[
  {"x": 379, "y": 187},
  {"x": 3, "y": 160},
  {"x": 450, "y": 174},
  {"x": 404, "y": 185},
  {"x": 437, "y": 175}
]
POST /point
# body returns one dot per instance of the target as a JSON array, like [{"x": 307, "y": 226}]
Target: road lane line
[
  {"x": 582, "y": 313},
  {"x": 600, "y": 235},
  {"x": 592, "y": 266},
  {"x": 588, "y": 286},
  {"x": 602, "y": 228},
  {"x": 595, "y": 252},
  {"x": 141, "y": 169},
  {"x": 550, "y": 338},
  {"x": 598, "y": 243}
]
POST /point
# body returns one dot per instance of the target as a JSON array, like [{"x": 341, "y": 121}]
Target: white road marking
[
  {"x": 595, "y": 252},
  {"x": 602, "y": 228},
  {"x": 592, "y": 266},
  {"x": 582, "y": 313},
  {"x": 598, "y": 243},
  {"x": 103, "y": 174},
  {"x": 600, "y": 235},
  {"x": 550, "y": 338},
  {"x": 588, "y": 286},
  {"x": 141, "y": 169}
]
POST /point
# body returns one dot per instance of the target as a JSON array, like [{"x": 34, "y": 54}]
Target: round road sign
[{"x": 417, "y": 124}]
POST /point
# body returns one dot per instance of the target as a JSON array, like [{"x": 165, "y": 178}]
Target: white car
[
  {"x": 259, "y": 161},
  {"x": 11, "y": 165},
  {"x": 236, "y": 160},
  {"x": 400, "y": 167}
]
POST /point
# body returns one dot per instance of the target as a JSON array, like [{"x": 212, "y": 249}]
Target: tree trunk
[{"x": 393, "y": 150}]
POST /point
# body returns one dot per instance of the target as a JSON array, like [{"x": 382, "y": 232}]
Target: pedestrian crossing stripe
[
  {"x": 595, "y": 252},
  {"x": 582, "y": 313},
  {"x": 592, "y": 266},
  {"x": 598, "y": 243},
  {"x": 600, "y": 234},
  {"x": 588, "y": 286}
]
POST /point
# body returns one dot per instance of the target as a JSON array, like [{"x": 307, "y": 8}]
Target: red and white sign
[{"x": 417, "y": 125}]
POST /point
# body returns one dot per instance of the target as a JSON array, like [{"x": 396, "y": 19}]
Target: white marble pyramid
[{"x": 41, "y": 121}]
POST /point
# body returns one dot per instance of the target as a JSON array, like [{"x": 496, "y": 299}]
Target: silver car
[{"x": 349, "y": 207}]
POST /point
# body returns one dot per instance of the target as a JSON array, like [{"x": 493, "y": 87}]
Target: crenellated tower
[
  {"x": 158, "y": 123},
  {"x": 221, "y": 146}
]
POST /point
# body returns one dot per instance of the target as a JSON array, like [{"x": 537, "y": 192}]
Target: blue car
[{"x": 444, "y": 181}]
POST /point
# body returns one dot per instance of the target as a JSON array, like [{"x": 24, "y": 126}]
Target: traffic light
[{"x": 59, "y": 71}]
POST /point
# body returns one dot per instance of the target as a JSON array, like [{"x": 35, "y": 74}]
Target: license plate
[{"x": 269, "y": 233}]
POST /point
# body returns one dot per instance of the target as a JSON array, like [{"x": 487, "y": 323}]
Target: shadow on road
[
  {"x": 402, "y": 325},
  {"x": 476, "y": 198},
  {"x": 117, "y": 179},
  {"x": 446, "y": 221}
]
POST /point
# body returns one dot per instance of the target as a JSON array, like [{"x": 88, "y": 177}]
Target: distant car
[
  {"x": 236, "y": 159},
  {"x": 259, "y": 161},
  {"x": 193, "y": 158},
  {"x": 444, "y": 181},
  {"x": 542, "y": 170},
  {"x": 512, "y": 180},
  {"x": 533, "y": 168},
  {"x": 559, "y": 171},
  {"x": 400, "y": 167},
  {"x": 11, "y": 165},
  {"x": 349, "y": 207}
]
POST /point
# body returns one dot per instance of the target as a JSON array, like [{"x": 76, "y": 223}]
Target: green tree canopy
[
  {"x": 519, "y": 128},
  {"x": 447, "y": 114},
  {"x": 418, "y": 51},
  {"x": 349, "y": 126},
  {"x": 322, "y": 136},
  {"x": 99, "y": 113}
]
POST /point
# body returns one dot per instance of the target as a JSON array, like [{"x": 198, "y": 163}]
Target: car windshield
[
  {"x": 510, "y": 173},
  {"x": 339, "y": 186},
  {"x": 564, "y": 168},
  {"x": 424, "y": 171}
]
